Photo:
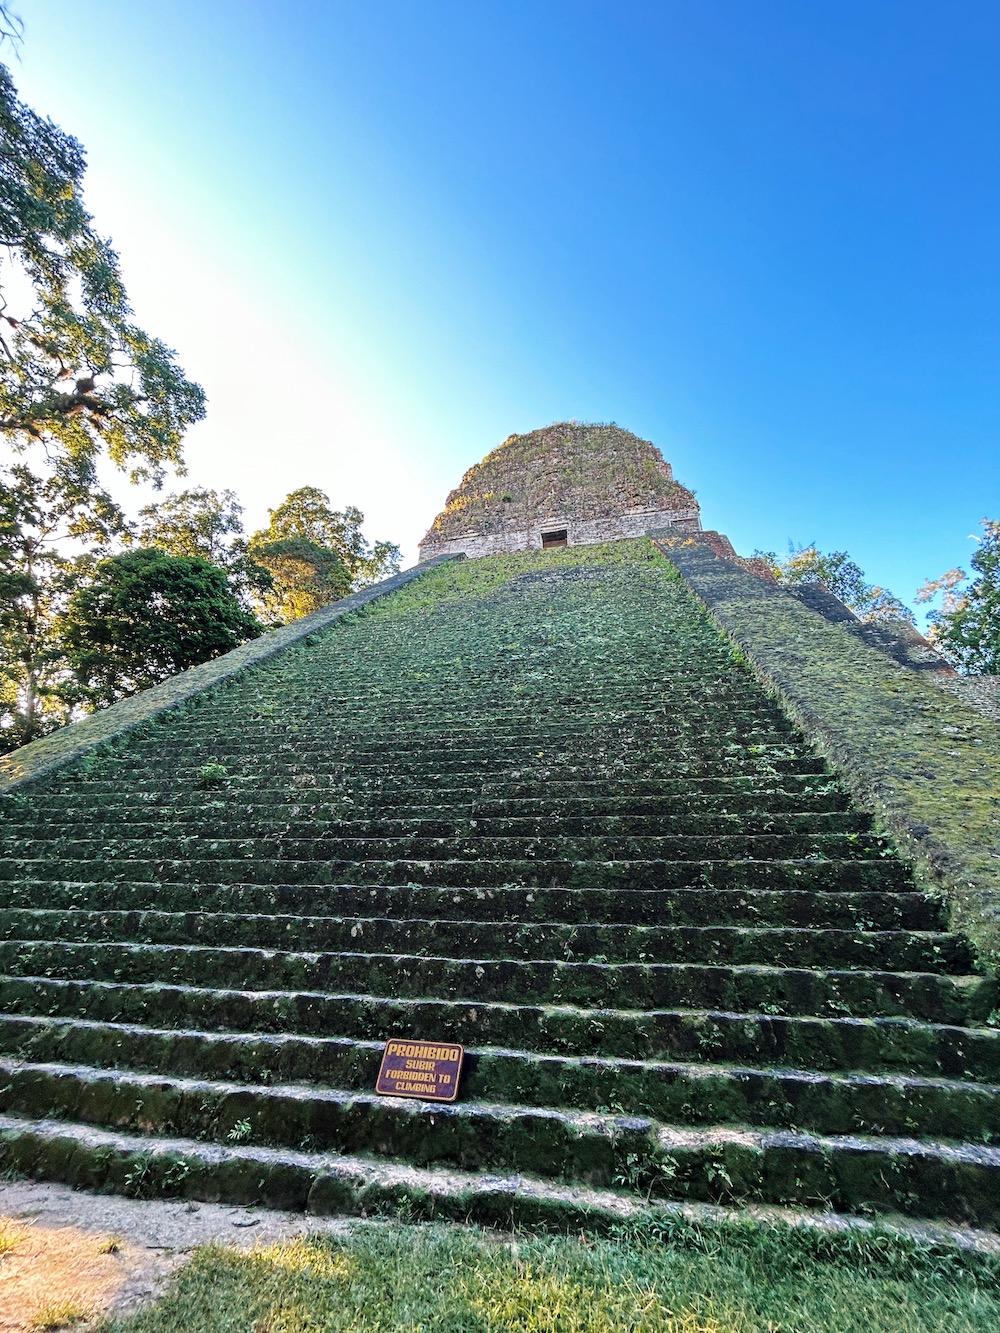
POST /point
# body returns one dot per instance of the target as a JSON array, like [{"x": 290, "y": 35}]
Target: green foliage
[
  {"x": 966, "y": 628},
  {"x": 212, "y": 775},
  {"x": 689, "y": 1279},
  {"x": 76, "y": 374},
  {"x": 316, "y": 554},
  {"x": 39, "y": 516},
  {"x": 304, "y": 577},
  {"x": 144, "y": 616},
  {"x": 202, "y": 522},
  {"x": 843, "y": 577}
]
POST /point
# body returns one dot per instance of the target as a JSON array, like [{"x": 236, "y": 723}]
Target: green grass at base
[{"x": 675, "y": 1278}]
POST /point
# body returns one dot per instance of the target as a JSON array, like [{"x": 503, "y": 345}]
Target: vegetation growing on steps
[
  {"x": 673, "y": 1276},
  {"x": 546, "y": 810},
  {"x": 85, "y": 741},
  {"x": 924, "y": 762}
]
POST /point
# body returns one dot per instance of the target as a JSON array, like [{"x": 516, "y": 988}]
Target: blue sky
[{"x": 385, "y": 235}]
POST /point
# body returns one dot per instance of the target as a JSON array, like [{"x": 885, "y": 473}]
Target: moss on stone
[
  {"x": 587, "y": 471},
  {"x": 922, "y": 762}
]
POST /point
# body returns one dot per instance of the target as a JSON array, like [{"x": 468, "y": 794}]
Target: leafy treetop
[
  {"x": 145, "y": 615},
  {"x": 316, "y": 554},
  {"x": 77, "y": 375},
  {"x": 966, "y": 627},
  {"x": 206, "y": 523},
  {"x": 843, "y": 577}
]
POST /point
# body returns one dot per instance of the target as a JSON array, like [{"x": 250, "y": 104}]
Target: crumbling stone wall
[
  {"x": 579, "y": 532},
  {"x": 597, "y": 482}
]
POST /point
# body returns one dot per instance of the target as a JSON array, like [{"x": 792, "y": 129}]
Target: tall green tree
[
  {"x": 144, "y": 615},
  {"x": 206, "y": 523},
  {"x": 52, "y": 530},
  {"x": 316, "y": 554},
  {"x": 80, "y": 382},
  {"x": 843, "y": 577},
  {"x": 966, "y": 626},
  {"x": 304, "y": 577},
  {"x": 77, "y": 374}
]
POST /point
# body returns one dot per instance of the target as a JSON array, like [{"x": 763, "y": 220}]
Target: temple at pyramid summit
[
  {"x": 569, "y": 484},
  {"x": 695, "y": 871}
]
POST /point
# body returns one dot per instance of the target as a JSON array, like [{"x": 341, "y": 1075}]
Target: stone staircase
[{"x": 535, "y": 805}]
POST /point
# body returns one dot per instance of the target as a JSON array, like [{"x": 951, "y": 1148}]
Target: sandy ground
[{"x": 95, "y": 1254}]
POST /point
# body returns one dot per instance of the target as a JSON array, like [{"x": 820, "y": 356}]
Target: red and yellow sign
[{"x": 426, "y": 1069}]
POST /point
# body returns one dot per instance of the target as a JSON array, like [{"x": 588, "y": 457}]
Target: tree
[
  {"x": 143, "y": 616},
  {"x": 76, "y": 374},
  {"x": 966, "y": 627},
  {"x": 79, "y": 381},
  {"x": 208, "y": 524},
  {"x": 842, "y": 576},
  {"x": 304, "y": 577},
  {"x": 43, "y": 520},
  {"x": 316, "y": 554}
]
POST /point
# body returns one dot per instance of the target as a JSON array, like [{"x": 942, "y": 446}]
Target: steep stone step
[
  {"x": 687, "y": 1093},
  {"x": 668, "y": 697},
  {"x": 310, "y": 789},
  {"x": 406, "y": 734},
  {"x": 216, "y": 825},
  {"x": 335, "y": 1183},
  {"x": 873, "y": 910},
  {"x": 940, "y": 997},
  {"x": 445, "y": 844},
  {"x": 922, "y": 1178},
  {"x": 832, "y": 875},
  {"x": 904, "y": 951},
  {"x": 210, "y": 806},
  {"x": 768, "y": 1038},
  {"x": 645, "y": 766}
]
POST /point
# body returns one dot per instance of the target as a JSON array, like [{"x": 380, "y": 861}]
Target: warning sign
[{"x": 426, "y": 1069}]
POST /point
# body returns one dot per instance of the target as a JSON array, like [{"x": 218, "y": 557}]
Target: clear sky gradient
[{"x": 386, "y": 234}]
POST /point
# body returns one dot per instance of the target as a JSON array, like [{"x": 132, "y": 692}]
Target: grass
[
  {"x": 466, "y": 580},
  {"x": 60, "y": 1314},
  {"x": 9, "y": 1237},
  {"x": 679, "y": 1277}
]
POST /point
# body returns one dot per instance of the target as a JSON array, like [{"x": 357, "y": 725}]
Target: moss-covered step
[
  {"x": 686, "y": 1093},
  {"x": 896, "y": 909},
  {"x": 887, "y": 950},
  {"x": 809, "y": 872},
  {"x": 261, "y": 810},
  {"x": 739, "y": 987},
  {"x": 294, "y": 828},
  {"x": 310, "y": 790},
  {"x": 850, "y": 1172},
  {"x": 771, "y": 1037}
]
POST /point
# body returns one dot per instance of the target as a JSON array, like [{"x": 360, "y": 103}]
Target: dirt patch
[{"x": 66, "y": 1255}]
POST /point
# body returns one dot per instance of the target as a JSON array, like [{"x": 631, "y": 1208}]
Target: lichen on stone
[{"x": 571, "y": 469}]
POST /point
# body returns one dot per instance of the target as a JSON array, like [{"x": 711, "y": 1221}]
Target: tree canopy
[
  {"x": 304, "y": 577},
  {"x": 77, "y": 374},
  {"x": 843, "y": 577},
  {"x": 203, "y": 522},
  {"x": 966, "y": 627},
  {"x": 52, "y": 530},
  {"x": 144, "y": 615},
  {"x": 315, "y": 553}
]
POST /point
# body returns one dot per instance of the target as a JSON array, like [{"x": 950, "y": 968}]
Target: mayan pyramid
[{"x": 698, "y": 872}]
